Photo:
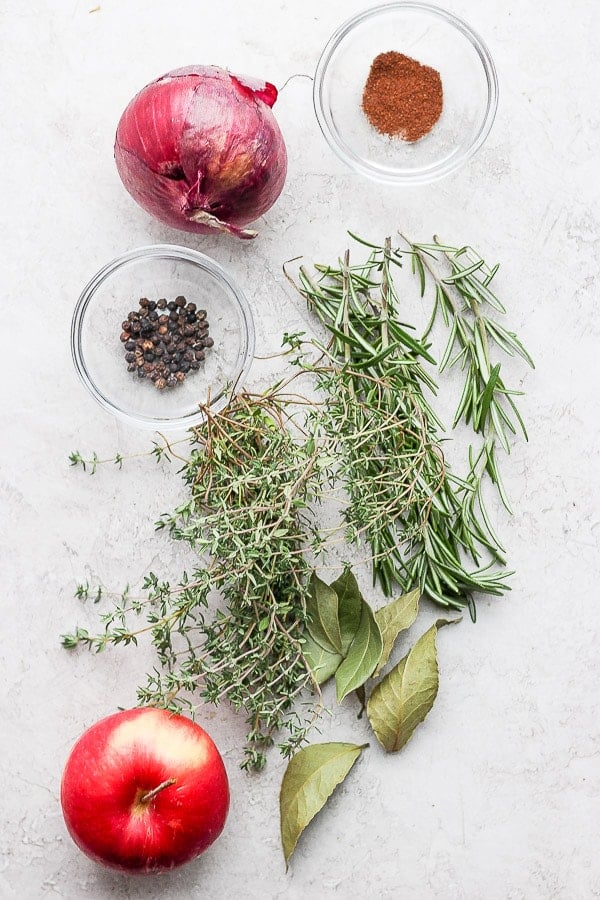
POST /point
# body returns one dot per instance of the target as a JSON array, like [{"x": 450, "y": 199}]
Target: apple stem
[{"x": 150, "y": 795}]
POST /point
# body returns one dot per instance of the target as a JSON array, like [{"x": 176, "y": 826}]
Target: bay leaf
[
  {"x": 363, "y": 654},
  {"x": 322, "y": 663},
  {"x": 393, "y": 618},
  {"x": 350, "y": 603},
  {"x": 405, "y": 695},
  {"x": 309, "y": 780},
  {"x": 322, "y": 607}
]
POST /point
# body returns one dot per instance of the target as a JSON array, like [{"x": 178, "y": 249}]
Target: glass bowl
[
  {"x": 435, "y": 38},
  {"x": 156, "y": 272}
]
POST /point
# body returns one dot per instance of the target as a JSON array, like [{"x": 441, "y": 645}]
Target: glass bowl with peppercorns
[
  {"x": 405, "y": 93},
  {"x": 160, "y": 333}
]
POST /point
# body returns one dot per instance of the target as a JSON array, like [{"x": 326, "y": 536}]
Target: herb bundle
[
  {"x": 256, "y": 472},
  {"x": 248, "y": 483},
  {"x": 422, "y": 520}
]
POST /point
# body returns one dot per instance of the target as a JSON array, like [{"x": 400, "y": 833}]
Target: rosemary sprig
[
  {"x": 461, "y": 300},
  {"x": 421, "y": 520}
]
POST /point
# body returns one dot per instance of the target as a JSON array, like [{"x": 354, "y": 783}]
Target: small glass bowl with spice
[
  {"x": 159, "y": 333},
  {"x": 405, "y": 93}
]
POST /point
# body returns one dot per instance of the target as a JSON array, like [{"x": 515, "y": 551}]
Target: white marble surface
[{"x": 497, "y": 795}]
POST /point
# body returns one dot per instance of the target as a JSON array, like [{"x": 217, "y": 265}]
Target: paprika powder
[{"x": 402, "y": 97}]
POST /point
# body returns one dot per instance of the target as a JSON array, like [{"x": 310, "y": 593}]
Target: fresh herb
[
  {"x": 461, "y": 301},
  {"x": 422, "y": 521},
  {"x": 234, "y": 628},
  {"x": 249, "y": 483}
]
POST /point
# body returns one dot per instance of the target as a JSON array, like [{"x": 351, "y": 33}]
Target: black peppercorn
[{"x": 164, "y": 348}]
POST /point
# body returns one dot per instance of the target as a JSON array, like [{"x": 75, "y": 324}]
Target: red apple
[{"x": 144, "y": 791}]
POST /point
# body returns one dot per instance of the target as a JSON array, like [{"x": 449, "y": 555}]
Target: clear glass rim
[
  {"x": 433, "y": 172},
  {"x": 208, "y": 265}
]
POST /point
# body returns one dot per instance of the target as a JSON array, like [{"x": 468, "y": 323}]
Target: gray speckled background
[{"x": 497, "y": 794}]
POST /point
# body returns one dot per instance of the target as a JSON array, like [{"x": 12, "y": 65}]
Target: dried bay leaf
[
  {"x": 309, "y": 780},
  {"x": 393, "y": 618},
  {"x": 350, "y": 607},
  {"x": 363, "y": 654},
  {"x": 405, "y": 695},
  {"x": 342, "y": 636},
  {"x": 322, "y": 607},
  {"x": 322, "y": 663}
]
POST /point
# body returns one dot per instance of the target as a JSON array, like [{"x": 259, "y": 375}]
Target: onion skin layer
[{"x": 200, "y": 150}]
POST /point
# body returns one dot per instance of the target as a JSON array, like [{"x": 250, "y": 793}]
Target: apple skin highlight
[{"x": 144, "y": 791}]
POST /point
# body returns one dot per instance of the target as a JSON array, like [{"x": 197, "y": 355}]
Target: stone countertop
[{"x": 497, "y": 795}]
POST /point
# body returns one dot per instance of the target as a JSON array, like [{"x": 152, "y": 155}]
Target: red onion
[{"x": 200, "y": 149}]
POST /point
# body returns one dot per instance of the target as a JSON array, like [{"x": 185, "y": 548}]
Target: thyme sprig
[
  {"x": 160, "y": 451},
  {"x": 249, "y": 484}
]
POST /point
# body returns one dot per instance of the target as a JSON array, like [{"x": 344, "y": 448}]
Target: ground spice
[{"x": 402, "y": 97}]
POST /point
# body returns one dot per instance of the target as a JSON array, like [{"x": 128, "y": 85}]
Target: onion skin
[{"x": 200, "y": 150}]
